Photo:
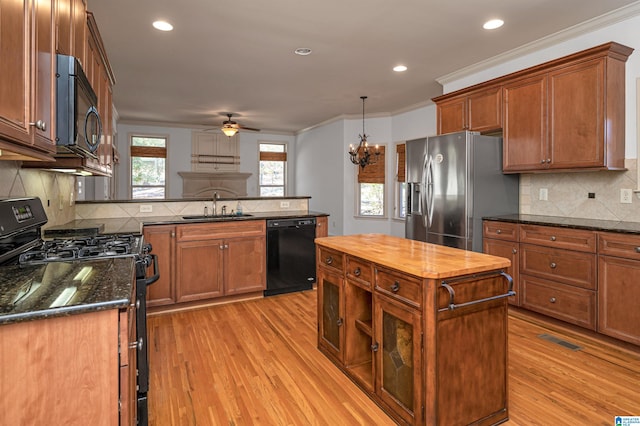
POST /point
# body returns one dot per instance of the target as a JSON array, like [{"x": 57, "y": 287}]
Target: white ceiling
[{"x": 238, "y": 56}]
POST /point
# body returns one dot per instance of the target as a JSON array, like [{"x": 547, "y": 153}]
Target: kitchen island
[{"x": 421, "y": 328}]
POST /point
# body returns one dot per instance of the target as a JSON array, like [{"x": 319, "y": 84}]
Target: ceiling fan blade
[{"x": 251, "y": 129}]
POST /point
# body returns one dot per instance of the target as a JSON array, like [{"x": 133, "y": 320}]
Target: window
[
  {"x": 148, "y": 166},
  {"x": 400, "y": 204},
  {"x": 371, "y": 190},
  {"x": 273, "y": 169}
]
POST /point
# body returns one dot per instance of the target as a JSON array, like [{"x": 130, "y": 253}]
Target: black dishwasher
[{"x": 291, "y": 255}]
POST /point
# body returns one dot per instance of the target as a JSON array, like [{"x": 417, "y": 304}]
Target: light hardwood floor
[{"x": 256, "y": 363}]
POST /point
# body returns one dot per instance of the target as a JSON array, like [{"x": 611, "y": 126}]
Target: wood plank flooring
[{"x": 256, "y": 363}]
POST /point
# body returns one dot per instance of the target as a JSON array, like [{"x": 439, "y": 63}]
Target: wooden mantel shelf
[{"x": 417, "y": 258}]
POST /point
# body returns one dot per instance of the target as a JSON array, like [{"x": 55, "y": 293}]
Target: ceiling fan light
[{"x": 229, "y": 130}]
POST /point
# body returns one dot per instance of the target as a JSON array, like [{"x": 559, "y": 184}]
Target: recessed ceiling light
[
  {"x": 162, "y": 26},
  {"x": 493, "y": 24},
  {"x": 400, "y": 68},
  {"x": 302, "y": 51}
]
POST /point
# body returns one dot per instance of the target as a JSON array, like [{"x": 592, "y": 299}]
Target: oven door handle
[{"x": 156, "y": 274}]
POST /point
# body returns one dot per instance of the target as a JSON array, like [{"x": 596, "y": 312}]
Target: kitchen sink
[{"x": 217, "y": 216}]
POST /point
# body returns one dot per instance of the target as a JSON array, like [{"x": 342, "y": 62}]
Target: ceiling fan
[{"x": 230, "y": 127}]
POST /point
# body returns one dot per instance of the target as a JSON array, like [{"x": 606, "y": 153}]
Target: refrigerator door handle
[
  {"x": 429, "y": 195},
  {"x": 423, "y": 195}
]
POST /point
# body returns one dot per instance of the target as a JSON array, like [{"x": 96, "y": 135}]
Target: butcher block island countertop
[{"x": 421, "y": 328}]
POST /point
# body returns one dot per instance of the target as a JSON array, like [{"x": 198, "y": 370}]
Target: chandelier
[{"x": 362, "y": 155}]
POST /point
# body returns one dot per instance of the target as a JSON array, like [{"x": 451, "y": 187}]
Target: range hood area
[{"x": 71, "y": 164}]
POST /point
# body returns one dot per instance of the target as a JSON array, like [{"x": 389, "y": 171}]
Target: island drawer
[
  {"x": 564, "y": 302},
  {"x": 331, "y": 259},
  {"x": 360, "y": 271},
  {"x": 619, "y": 245},
  {"x": 405, "y": 288},
  {"x": 566, "y": 266},
  {"x": 565, "y": 238},
  {"x": 500, "y": 230}
]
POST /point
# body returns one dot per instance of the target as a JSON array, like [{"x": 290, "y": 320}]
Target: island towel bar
[{"x": 452, "y": 293}]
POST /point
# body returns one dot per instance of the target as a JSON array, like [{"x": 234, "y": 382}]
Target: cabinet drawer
[
  {"x": 567, "y": 303},
  {"x": 330, "y": 258},
  {"x": 570, "y": 267},
  {"x": 565, "y": 238},
  {"x": 360, "y": 271},
  {"x": 619, "y": 245},
  {"x": 207, "y": 231},
  {"x": 500, "y": 230},
  {"x": 402, "y": 287}
]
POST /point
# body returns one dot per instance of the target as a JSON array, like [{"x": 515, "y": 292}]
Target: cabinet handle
[
  {"x": 553, "y": 265},
  {"x": 542, "y": 161},
  {"x": 339, "y": 322},
  {"x": 499, "y": 231},
  {"x": 374, "y": 347},
  {"x": 357, "y": 272},
  {"x": 552, "y": 300},
  {"x": 395, "y": 287},
  {"x": 637, "y": 249},
  {"x": 553, "y": 238},
  {"x": 173, "y": 234},
  {"x": 136, "y": 345},
  {"x": 329, "y": 260},
  {"x": 514, "y": 251},
  {"x": 40, "y": 125},
  {"x": 549, "y": 160}
]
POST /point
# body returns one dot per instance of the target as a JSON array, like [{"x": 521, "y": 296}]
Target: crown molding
[{"x": 613, "y": 17}]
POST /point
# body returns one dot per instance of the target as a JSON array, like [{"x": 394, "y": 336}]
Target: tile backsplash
[
  {"x": 568, "y": 194},
  {"x": 56, "y": 190}
]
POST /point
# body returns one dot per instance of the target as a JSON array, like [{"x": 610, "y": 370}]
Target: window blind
[
  {"x": 400, "y": 163},
  {"x": 373, "y": 173}
]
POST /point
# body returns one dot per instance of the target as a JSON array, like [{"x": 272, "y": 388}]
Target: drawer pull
[
  {"x": 375, "y": 347},
  {"x": 136, "y": 345},
  {"x": 552, "y": 300},
  {"x": 395, "y": 287},
  {"x": 339, "y": 322},
  {"x": 553, "y": 238},
  {"x": 452, "y": 293},
  {"x": 637, "y": 249},
  {"x": 329, "y": 260},
  {"x": 356, "y": 272},
  {"x": 499, "y": 231},
  {"x": 553, "y": 265},
  {"x": 514, "y": 251}
]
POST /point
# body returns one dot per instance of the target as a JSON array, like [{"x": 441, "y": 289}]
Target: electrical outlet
[
  {"x": 146, "y": 208},
  {"x": 626, "y": 196},
  {"x": 284, "y": 204},
  {"x": 544, "y": 194},
  {"x": 71, "y": 199}
]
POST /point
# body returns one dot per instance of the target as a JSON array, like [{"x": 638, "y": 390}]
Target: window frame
[
  {"x": 358, "y": 190},
  {"x": 285, "y": 186},
  {"x": 131, "y": 136}
]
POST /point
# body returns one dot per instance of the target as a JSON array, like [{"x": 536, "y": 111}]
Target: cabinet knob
[
  {"x": 328, "y": 260},
  {"x": 357, "y": 272},
  {"x": 552, "y": 300},
  {"x": 40, "y": 125},
  {"x": 499, "y": 231},
  {"x": 542, "y": 161},
  {"x": 549, "y": 160},
  {"x": 395, "y": 287},
  {"x": 339, "y": 322},
  {"x": 553, "y": 238},
  {"x": 553, "y": 265},
  {"x": 637, "y": 249},
  {"x": 375, "y": 347},
  {"x": 514, "y": 251}
]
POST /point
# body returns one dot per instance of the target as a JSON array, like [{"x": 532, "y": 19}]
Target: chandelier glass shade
[{"x": 362, "y": 155}]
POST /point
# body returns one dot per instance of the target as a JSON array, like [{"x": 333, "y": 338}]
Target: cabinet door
[
  {"x": 508, "y": 249},
  {"x": 331, "y": 313},
  {"x": 162, "y": 238},
  {"x": 452, "y": 116},
  {"x": 576, "y": 117},
  {"x": 484, "y": 110},
  {"x": 63, "y": 26},
  {"x": 79, "y": 30},
  {"x": 14, "y": 67},
  {"x": 213, "y": 152},
  {"x": 322, "y": 226},
  {"x": 525, "y": 125},
  {"x": 618, "y": 295},
  {"x": 245, "y": 269},
  {"x": 398, "y": 337},
  {"x": 199, "y": 270}
]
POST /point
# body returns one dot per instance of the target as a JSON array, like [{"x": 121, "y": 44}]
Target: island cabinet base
[{"x": 427, "y": 343}]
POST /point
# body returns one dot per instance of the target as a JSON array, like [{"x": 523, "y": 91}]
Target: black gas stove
[{"x": 21, "y": 244}]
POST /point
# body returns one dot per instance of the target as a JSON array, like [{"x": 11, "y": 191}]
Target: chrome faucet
[{"x": 215, "y": 199}]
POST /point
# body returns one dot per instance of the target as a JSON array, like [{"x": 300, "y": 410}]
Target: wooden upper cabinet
[
  {"x": 70, "y": 23},
  {"x": 63, "y": 27},
  {"x": 43, "y": 77},
  {"x": 479, "y": 111}
]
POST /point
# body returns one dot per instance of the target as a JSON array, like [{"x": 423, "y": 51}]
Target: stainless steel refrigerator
[{"x": 454, "y": 181}]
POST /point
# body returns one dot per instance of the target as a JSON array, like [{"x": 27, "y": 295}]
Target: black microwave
[{"x": 78, "y": 124}]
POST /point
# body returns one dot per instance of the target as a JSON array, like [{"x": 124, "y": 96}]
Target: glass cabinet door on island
[
  {"x": 331, "y": 310},
  {"x": 398, "y": 356}
]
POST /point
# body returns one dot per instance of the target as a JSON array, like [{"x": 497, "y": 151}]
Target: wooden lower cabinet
[
  {"x": 501, "y": 239},
  {"x": 396, "y": 335},
  {"x": 162, "y": 240},
  {"x": 199, "y": 270}
]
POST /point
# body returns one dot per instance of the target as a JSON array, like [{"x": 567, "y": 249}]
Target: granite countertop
[
  {"x": 64, "y": 288},
  {"x": 133, "y": 225},
  {"x": 568, "y": 222}
]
